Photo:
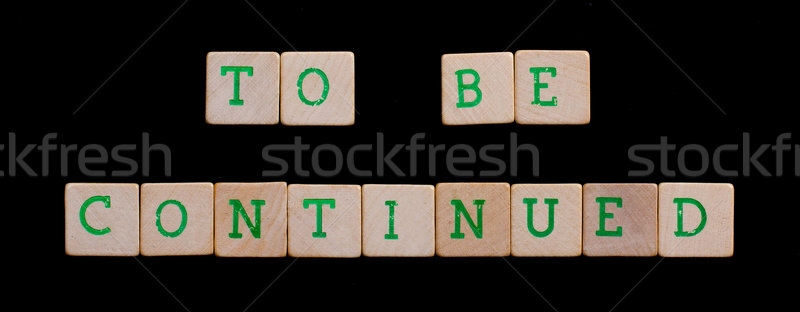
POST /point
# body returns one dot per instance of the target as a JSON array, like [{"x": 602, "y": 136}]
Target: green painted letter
[
  {"x": 238, "y": 209},
  {"x": 183, "y": 218},
  {"x": 236, "y": 70},
  {"x": 325, "y": 86},
  {"x": 107, "y": 201},
  {"x": 680, "y": 201},
  {"x": 607, "y": 215},
  {"x": 461, "y": 210},
  {"x": 473, "y": 86},
  {"x": 538, "y": 86},
  {"x": 319, "y": 203},
  {"x": 551, "y": 203},
  {"x": 391, "y": 204}
]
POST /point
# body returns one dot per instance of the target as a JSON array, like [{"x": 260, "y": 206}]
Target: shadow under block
[
  {"x": 620, "y": 220},
  {"x": 242, "y": 88},
  {"x": 324, "y": 220},
  {"x": 546, "y": 220},
  {"x": 102, "y": 219},
  {"x": 477, "y": 88},
  {"x": 397, "y": 220},
  {"x": 250, "y": 219},
  {"x": 552, "y": 87},
  {"x": 695, "y": 220},
  {"x": 473, "y": 219},
  {"x": 177, "y": 219},
  {"x": 317, "y": 88}
]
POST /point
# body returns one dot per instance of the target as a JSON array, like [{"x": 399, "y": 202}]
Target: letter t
[{"x": 236, "y": 70}]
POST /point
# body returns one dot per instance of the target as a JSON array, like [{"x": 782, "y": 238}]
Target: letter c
[{"x": 107, "y": 201}]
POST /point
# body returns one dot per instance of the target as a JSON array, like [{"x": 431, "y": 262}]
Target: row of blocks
[
  {"x": 317, "y": 88},
  {"x": 450, "y": 219}
]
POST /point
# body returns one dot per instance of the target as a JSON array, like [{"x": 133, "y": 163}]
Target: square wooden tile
[
  {"x": 318, "y": 88},
  {"x": 474, "y": 233},
  {"x": 237, "y": 236},
  {"x": 620, "y": 219},
  {"x": 546, "y": 220},
  {"x": 397, "y": 220},
  {"x": 102, "y": 219},
  {"x": 477, "y": 88},
  {"x": 552, "y": 87},
  {"x": 712, "y": 237},
  {"x": 324, "y": 220},
  {"x": 255, "y": 101},
  {"x": 177, "y": 219}
]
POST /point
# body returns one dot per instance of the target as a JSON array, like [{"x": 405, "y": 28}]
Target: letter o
[
  {"x": 183, "y": 218},
  {"x": 325, "y": 86}
]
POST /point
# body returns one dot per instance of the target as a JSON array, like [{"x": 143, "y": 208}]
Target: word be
[
  {"x": 449, "y": 220},
  {"x": 529, "y": 87}
]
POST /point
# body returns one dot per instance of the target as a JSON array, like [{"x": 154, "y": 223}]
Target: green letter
[
  {"x": 607, "y": 215},
  {"x": 236, "y": 70},
  {"x": 391, "y": 234},
  {"x": 107, "y": 201},
  {"x": 238, "y": 209},
  {"x": 461, "y": 210},
  {"x": 325, "y": 86},
  {"x": 183, "y": 218},
  {"x": 473, "y": 86},
  {"x": 551, "y": 203},
  {"x": 537, "y": 86},
  {"x": 680, "y": 201},
  {"x": 319, "y": 202}
]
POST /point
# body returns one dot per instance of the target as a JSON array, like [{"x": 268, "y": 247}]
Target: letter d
[{"x": 680, "y": 232}]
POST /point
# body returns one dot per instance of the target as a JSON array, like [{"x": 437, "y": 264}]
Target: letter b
[{"x": 472, "y": 86}]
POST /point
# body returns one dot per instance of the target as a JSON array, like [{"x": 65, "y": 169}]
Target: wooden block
[
  {"x": 552, "y": 87},
  {"x": 177, "y": 219},
  {"x": 397, "y": 220},
  {"x": 102, "y": 219},
  {"x": 696, "y": 236},
  {"x": 317, "y": 88},
  {"x": 473, "y": 219},
  {"x": 620, "y": 220},
  {"x": 242, "y": 88},
  {"x": 546, "y": 220},
  {"x": 324, "y": 220},
  {"x": 477, "y": 88},
  {"x": 239, "y": 232}
]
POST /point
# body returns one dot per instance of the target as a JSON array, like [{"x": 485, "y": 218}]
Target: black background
[{"x": 58, "y": 54}]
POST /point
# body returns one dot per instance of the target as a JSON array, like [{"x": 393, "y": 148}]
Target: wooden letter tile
[
  {"x": 242, "y": 88},
  {"x": 250, "y": 219},
  {"x": 398, "y": 220},
  {"x": 695, "y": 219},
  {"x": 473, "y": 219},
  {"x": 102, "y": 219},
  {"x": 477, "y": 88},
  {"x": 324, "y": 220},
  {"x": 177, "y": 219},
  {"x": 317, "y": 88},
  {"x": 546, "y": 220},
  {"x": 620, "y": 220},
  {"x": 552, "y": 87}
]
